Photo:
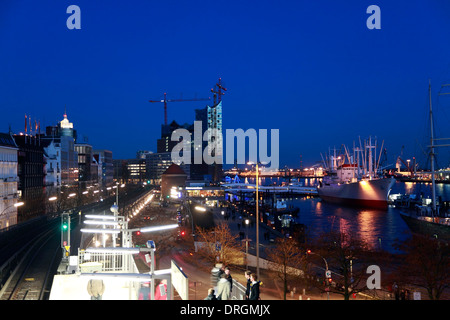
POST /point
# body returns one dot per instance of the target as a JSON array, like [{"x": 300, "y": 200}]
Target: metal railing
[
  {"x": 238, "y": 291},
  {"x": 110, "y": 262}
]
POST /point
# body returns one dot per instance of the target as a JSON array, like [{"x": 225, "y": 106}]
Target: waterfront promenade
[{"x": 200, "y": 277}]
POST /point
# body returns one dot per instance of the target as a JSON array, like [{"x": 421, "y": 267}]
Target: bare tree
[
  {"x": 286, "y": 257},
  {"x": 349, "y": 257},
  {"x": 220, "y": 244},
  {"x": 425, "y": 264}
]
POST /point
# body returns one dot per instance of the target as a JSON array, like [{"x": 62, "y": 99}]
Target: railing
[
  {"x": 238, "y": 291},
  {"x": 110, "y": 262}
]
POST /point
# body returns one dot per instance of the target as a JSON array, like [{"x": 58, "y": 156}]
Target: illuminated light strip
[
  {"x": 112, "y": 250},
  {"x": 100, "y": 230},
  {"x": 106, "y": 223},
  {"x": 159, "y": 228},
  {"x": 100, "y": 216}
]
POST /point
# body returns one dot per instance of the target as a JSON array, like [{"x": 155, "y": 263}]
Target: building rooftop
[
  {"x": 174, "y": 169},
  {"x": 7, "y": 141}
]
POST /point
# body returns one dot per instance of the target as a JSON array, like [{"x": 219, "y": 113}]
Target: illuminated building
[{"x": 8, "y": 180}]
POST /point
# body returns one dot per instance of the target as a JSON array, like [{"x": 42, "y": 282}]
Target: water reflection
[
  {"x": 379, "y": 228},
  {"x": 372, "y": 226}
]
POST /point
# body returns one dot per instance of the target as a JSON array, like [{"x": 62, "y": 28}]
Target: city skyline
[{"x": 313, "y": 71}]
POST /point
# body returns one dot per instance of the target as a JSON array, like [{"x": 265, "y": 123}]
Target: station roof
[{"x": 174, "y": 169}]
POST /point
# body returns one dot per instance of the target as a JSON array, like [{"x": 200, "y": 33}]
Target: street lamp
[
  {"x": 247, "y": 240},
  {"x": 257, "y": 217},
  {"x": 327, "y": 272},
  {"x": 18, "y": 204}
]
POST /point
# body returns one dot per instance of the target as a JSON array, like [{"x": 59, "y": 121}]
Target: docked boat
[
  {"x": 355, "y": 183},
  {"x": 427, "y": 223},
  {"x": 430, "y": 219}
]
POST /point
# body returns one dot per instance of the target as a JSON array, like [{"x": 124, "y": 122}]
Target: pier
[{"x": 289, "y": 190}]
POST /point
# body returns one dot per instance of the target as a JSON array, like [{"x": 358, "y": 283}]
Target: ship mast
[{"x": 433, "y": 182}]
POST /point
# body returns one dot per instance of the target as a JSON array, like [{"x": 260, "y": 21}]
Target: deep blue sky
[{"x": 309, "y": 68}]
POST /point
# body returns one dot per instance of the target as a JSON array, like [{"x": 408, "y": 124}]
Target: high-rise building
[
  {"x": 211, "y": 118},
  {"x": 165, "y": 144},
  {"x": 104, "y": 159},
  {"x": 85, "y": 163},
  {"x": 137, "y": 170},
  {"x": 62, "y": 158}
]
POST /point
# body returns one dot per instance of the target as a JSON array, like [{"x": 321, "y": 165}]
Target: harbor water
[{"x": 379, "y": 228}]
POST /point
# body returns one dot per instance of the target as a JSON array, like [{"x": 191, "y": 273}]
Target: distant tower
[{"x": 66, "y": 127}]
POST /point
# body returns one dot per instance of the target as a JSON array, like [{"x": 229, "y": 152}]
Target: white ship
[{"x": 356, "y": 183}]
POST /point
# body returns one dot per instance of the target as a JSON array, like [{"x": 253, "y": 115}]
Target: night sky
[{"x": 311, "y": 69}]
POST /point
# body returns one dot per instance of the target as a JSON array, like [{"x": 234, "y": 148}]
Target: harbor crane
[
  {"x": 165, "y": 100},
  {"x": 410, "y": 168},
  {"x": 219, "y": 92}
]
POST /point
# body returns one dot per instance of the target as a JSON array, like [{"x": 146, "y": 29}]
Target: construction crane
[
  {"x": 219, "y": 92},
  {"x": 165, "y": 100},
  {"x": 410, "y": 168}
]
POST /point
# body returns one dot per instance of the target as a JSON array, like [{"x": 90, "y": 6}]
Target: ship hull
[
  {"x": 372, "y": 194},
  {"x": 427, "y": 228}
]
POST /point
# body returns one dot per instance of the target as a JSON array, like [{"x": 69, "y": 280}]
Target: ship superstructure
[{"x": 354, "y": 179}]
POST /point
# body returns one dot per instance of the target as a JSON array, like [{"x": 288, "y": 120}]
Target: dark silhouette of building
[{"x": 31, "y": 173}]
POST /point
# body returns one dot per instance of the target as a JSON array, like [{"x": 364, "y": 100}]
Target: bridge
[{"x": 291, "y": 189}]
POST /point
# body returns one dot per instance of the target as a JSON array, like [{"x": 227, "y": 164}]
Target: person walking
[
  {"x": 211, "y": 295},
  {"x": 144, "y": 291},
  {"x": 223, "y": 288},
  {"x": 161, "y": 290},
  {"x": 229, "y": 277},
  {"x": 254, "y": 288},
  {"x": 96, "y": 288},
  {"x": 249, "y": 282}
]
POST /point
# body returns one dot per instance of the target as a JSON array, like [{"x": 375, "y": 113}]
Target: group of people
[
  {"x": 160, "y": 291},
  {"x": 225, "y": 286},
  {"x": 96, "y": 288}
]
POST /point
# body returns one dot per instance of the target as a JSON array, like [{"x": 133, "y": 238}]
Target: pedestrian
[
  {"x": 229, "y": 277},
  {"x": 144, "y": 291},
  {"x": 211, "y": 295},
  {"x": 96, "y": 288},
  {"x": 254, "y": 288},
  {"x": 223, "y": 288},
  {"x": 161, "y": 290},
  {"x": 396, "y": 291},
  {"x": 249, "y": 282}
]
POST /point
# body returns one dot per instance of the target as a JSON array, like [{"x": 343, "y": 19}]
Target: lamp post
[
  {"x": 257, "y": 217},
  {"x": 327, "y": 272},
  {"x": 247, "y": 240},
  {"x": 18, "y": 204},
  {"x": 197, "y": 208}
]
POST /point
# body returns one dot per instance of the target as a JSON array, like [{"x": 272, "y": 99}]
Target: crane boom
[{"x": 165, "y": 100}]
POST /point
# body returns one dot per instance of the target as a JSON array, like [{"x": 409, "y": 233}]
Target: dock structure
[{"x": 289, "y": 190}]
